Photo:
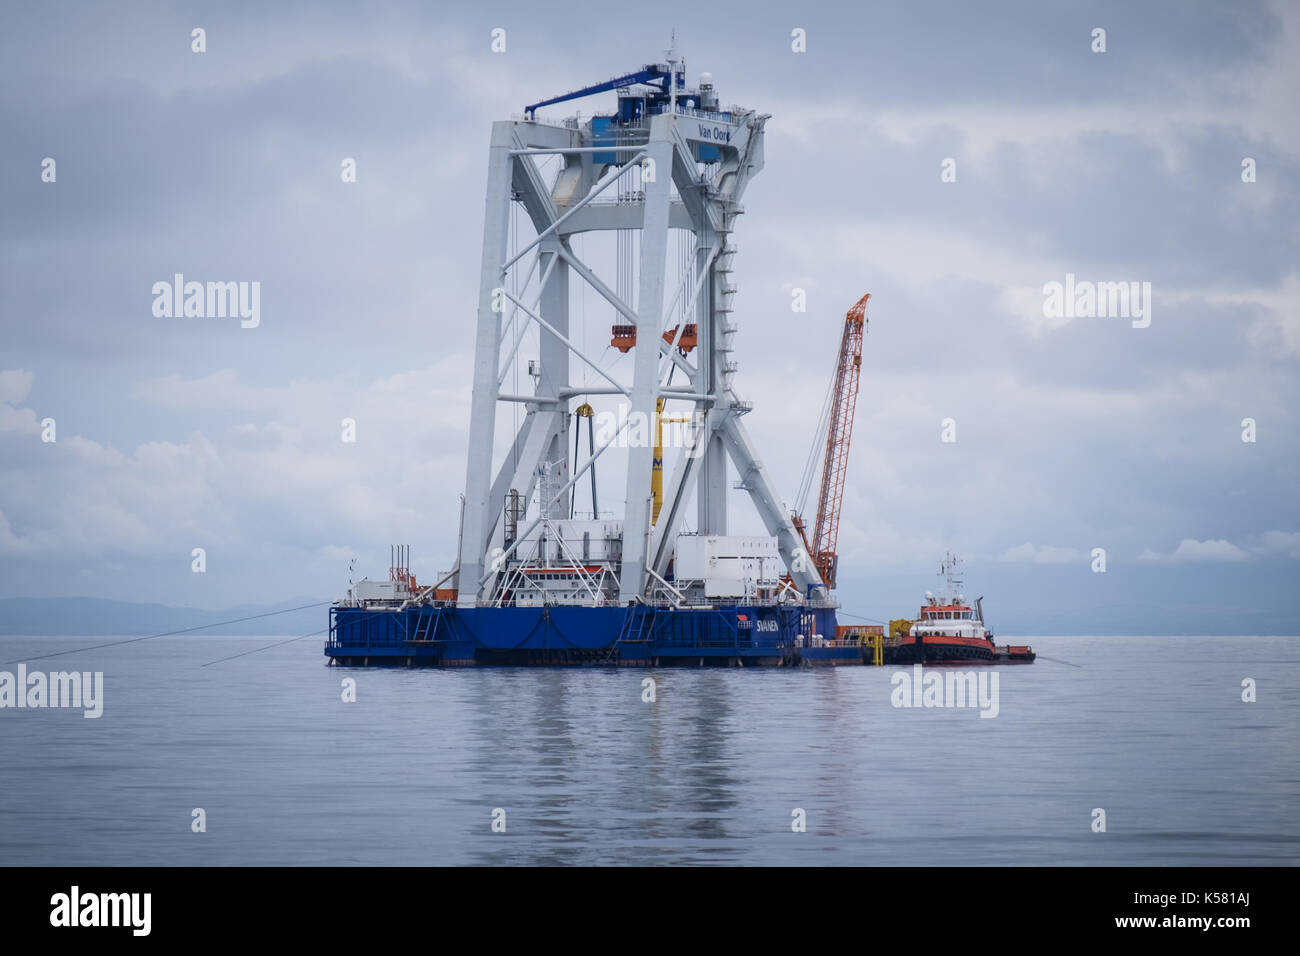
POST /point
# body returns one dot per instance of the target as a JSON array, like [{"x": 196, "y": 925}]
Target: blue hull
[{"x": 573, "y": 635}]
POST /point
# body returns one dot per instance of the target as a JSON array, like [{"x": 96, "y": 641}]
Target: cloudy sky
[{"x": 1072, "y": 434}]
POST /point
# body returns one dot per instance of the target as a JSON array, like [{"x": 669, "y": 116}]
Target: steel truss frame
[{"x": 677, "y": 194}]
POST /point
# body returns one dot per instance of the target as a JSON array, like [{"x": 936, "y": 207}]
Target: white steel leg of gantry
[
  {"x": 542, "y": 438},
  {"x": 487, "y": 353},
  {"x": 645, "y": 379}
]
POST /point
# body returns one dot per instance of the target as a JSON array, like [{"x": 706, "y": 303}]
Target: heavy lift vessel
[{"x": 536, "y": 581}]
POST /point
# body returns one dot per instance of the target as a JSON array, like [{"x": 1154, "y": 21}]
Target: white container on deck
[{"x": 728, "y": 565}]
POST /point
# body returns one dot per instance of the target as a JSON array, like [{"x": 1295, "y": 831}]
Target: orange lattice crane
[{"x": 841, "y": 404}]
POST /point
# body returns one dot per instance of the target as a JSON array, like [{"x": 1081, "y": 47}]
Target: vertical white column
[
  {"x": 487, "y": 354},
  {"x": 645, "y": 381},
  {"x": 555, "y": 367}
]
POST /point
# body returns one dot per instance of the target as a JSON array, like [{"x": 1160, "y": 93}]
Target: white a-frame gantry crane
[{"x": 668, "y": 159}]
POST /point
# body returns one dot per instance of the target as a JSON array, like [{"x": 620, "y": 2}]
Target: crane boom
[
  {"x": 653, "y": 74},
  {"x": 839, "y": 433}
]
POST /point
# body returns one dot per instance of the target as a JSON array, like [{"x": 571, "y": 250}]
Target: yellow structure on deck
[
  {"x": 865, "y": 635},
  {"x": 657, "y": 467}
]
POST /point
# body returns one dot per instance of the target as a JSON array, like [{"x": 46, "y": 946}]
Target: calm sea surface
[{"x": 1152, "y": 730}]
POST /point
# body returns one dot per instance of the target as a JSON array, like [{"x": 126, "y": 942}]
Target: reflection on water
[{"x": 1150, "y": 729}]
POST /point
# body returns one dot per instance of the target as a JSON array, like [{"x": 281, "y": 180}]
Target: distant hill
[{"x": 83, "y": 616}]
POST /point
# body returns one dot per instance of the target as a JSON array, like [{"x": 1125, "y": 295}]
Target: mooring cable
[
  {"x": 266, "y": 647},
  {"x": 1055, "y": 660},
  {"x": 871, "y": 620},
  {"x": 150, "y": 637}
]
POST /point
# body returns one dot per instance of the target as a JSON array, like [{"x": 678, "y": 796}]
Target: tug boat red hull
[{"x": 944, "y": 648}]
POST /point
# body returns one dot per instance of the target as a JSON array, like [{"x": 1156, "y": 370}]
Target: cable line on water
[{"x": 150, "y": 637}]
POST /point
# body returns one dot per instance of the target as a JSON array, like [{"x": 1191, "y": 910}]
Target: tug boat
[{"x": 948, "y": 630}]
